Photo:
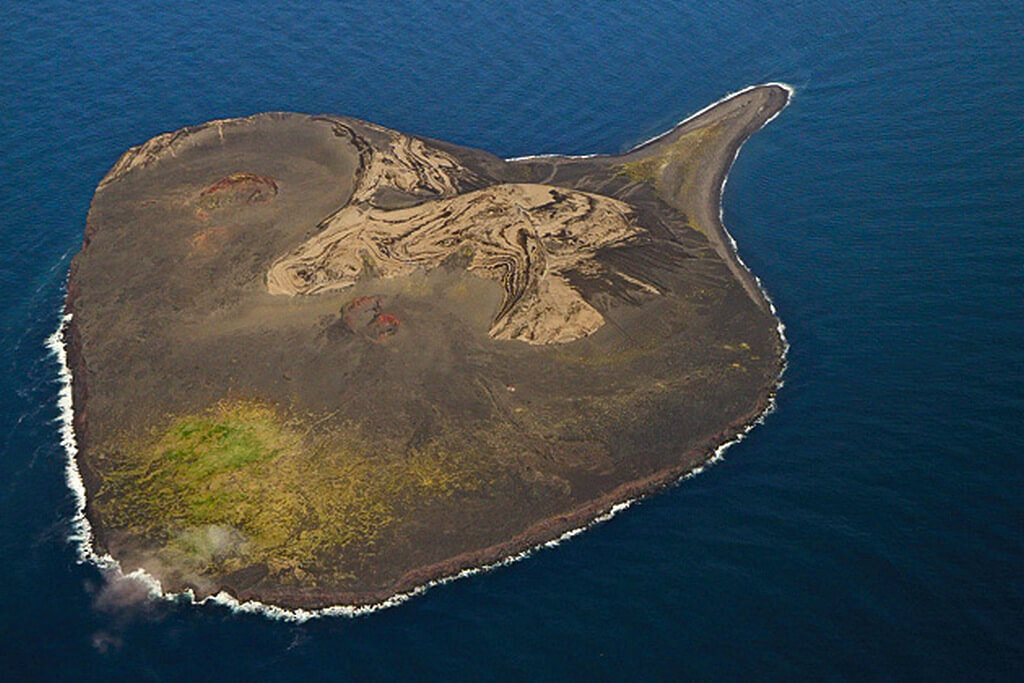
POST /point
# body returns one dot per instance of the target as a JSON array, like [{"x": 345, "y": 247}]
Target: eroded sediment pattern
[
  {"x": 403, "y": 164},
  {"x": 527, "y": 236}
]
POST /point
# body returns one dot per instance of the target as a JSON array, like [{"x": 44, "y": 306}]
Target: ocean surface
[{"x": 872, "y": 528}]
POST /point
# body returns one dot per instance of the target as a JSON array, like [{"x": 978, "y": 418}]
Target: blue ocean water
[{"x": 872, "y": 528}]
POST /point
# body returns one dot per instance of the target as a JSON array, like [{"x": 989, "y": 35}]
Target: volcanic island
[{"x": 316, "y": 361}]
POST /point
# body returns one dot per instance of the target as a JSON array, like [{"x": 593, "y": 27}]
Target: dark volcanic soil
[{"x": 342, "y": 446}]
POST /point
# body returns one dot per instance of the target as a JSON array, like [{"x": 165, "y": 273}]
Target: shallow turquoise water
[{"x": 872, "y": 528}]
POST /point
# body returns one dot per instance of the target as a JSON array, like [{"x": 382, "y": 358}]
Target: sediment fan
[{"x": 318, "y": 362}]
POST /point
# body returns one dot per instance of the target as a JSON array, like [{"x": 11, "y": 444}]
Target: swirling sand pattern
[{"x": 527, "y": 236}]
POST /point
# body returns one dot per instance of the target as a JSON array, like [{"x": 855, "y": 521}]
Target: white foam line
[
  {"x": 530, "y": 157},
  {"x": 785, "y": 86},
  {"x": 81, "y": 534},
  {"x": 81, "y": 529}
]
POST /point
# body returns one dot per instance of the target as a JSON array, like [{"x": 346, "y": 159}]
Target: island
[{"x": 315, "y": 361}]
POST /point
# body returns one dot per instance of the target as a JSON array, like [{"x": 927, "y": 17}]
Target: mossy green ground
[
  {"x": 240, "y": 484},
  {"x": 679, "y": 156},
  {"x": 644, "y": 170}
]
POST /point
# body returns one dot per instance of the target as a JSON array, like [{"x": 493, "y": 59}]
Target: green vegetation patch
[
  {"x": 680, "y": 152},
  {"x": 242, "y": 484},
  {"x": 675, "y": 158},
  {"x": 230, "y": 438},
  {"x": 643, "y": 170}
]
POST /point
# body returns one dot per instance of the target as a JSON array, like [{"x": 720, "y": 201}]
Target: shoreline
[
  {"x": 790, "y": 90},
  {"x": 545, "y": 534}
]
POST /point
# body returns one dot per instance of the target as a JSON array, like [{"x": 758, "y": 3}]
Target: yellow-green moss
[
  {"x": 677, "y": 156},
  {"x": 643, "y": 170},
  {"x": 268, "y": 491}
]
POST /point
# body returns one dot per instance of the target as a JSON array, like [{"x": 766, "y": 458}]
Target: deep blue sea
[{"x": 872, "y": 528}]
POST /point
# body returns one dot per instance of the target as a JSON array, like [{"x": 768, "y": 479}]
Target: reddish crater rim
[{"x": 237, "y": 179}]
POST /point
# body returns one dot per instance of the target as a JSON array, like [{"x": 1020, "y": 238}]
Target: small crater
[
  {"x": 384, "y": 326},
  {"x": 238, "y": 189},
  {"x": 364, "y": 316}
]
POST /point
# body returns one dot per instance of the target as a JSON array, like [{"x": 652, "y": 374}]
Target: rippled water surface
[{"x": 872, "y": 528}]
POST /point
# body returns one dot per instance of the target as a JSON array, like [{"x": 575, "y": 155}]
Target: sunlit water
[{"x": 873, "y": 527}]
